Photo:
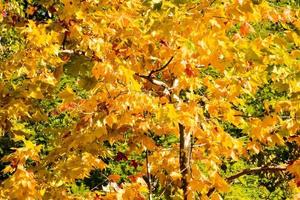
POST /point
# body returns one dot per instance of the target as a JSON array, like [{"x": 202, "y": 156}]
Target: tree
[{"x": 90, "y": 84}]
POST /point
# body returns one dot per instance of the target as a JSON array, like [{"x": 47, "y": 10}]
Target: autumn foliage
[{"x": 158, "y": 86}]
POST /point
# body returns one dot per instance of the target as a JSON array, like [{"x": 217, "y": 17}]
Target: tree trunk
[
  {"x": 184, "y": 159},
  {"x": 148, "y": 175}
]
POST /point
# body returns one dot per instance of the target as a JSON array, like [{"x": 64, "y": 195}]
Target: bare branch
[
  {"x": 162, "y": 68},
  {"x": 272, "y": 169},
  {"x": 256, "y": 169},
  {"x": 154, "y": 81},
  {"x": 71, "y": 51},
  {"x": 155, "y": 71}
]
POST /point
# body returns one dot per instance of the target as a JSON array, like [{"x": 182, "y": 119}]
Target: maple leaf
[
  {"x": 245, "y": 29},
  {"x": 294, "y": 168},
  {"x": 220, "y": 183},
  {"x": 67, "y": 95}
]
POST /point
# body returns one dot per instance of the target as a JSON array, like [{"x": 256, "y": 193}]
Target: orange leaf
[
  {"x": 216, "y": 196},
  {"x": 245, "y": 29},
  {"x": 189, "y": 71},
  {"x": 114, "y": 177},
  {"x": 221, "y": 184},
  {"x": 295, "y": 168}
]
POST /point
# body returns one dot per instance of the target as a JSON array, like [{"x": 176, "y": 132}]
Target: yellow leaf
[
  {"x": 256, "y": 147},
  {"x": 8, "y": 169},
  {"x": 175, "y": 175},
  {"x": 42, "y": 191},
  {"x": 198, "y": 185},
  {"x": 110, "y": 120},
  {"x": 19, "y": 138},
  {"x": 67, "y": 95},
  {"x": 220, "y": 183},
  {"x": 36, "y": 93},
  {"x": 276, "y": 139},
  {"x": 128, "y": 74},
  {"x": 295, "y": 54},
  {"x": 172, "y": 114},
  {"x": 99, "y": 164},
  {"x": 100, "y": 131},
  {"x": 216, "y": 196}
]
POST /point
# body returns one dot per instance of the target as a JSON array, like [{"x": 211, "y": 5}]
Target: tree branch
[
  {"x": 253, "y": 170},
  {"x": 162, "y": 68},
  {"x": 256, "y": 169},
  {"x": 184, "y": 158},
  {"x": 149, "y": 76},
  {"x": 71, "y": 51},
  {"x": 148, "y": 175},
  {"x": 155, "y": 81}
]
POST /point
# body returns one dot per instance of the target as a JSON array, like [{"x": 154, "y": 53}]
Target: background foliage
[{"x": 89, "y": 106}]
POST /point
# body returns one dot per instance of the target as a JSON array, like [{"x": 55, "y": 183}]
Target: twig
[
  {"x": 202, "y": 9},
  {"x": 120, "y": 94},
  {"x": 211, "y": 3}
]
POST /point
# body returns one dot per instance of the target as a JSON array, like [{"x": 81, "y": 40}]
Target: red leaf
[
  {"x": 134, "y": 163},
  {"x": 121, "y": 156},
  {"x": 189, "y": 71},
  {"x": 4, "y": 13}
]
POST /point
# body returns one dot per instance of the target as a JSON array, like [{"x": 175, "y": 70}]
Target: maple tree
[{"x": 155, "y": 85}]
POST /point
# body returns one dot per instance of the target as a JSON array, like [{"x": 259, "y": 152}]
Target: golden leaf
[
  {"x": 67, "y": 95},
  {"x": 220, "y": 183},
  {"x": 36, "y": 93},
  {"x": 175, "y": 175}
]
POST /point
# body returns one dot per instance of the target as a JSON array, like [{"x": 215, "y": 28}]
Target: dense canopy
[{"x": 149, "y": 99}]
